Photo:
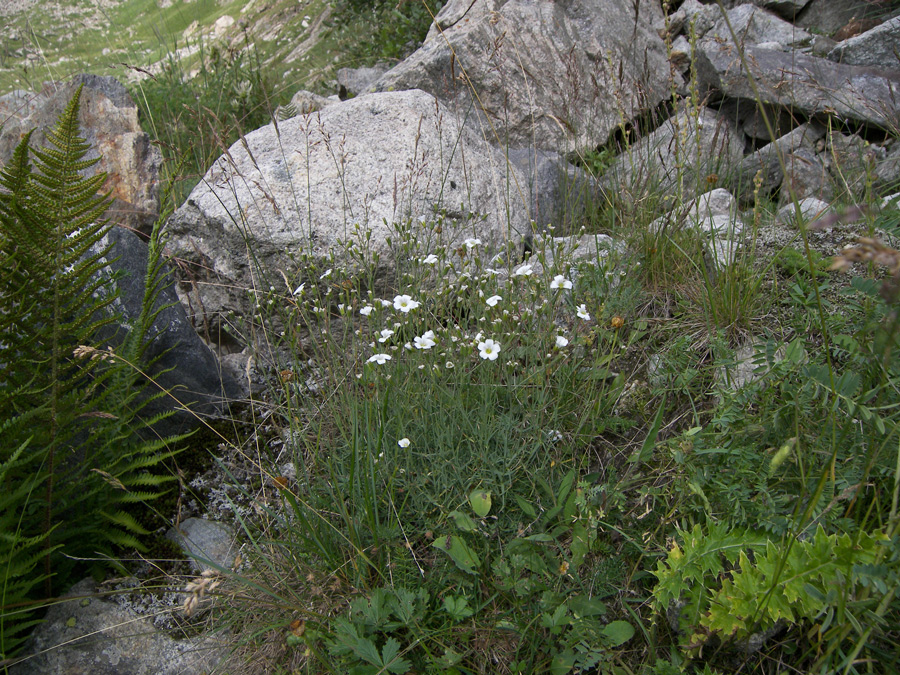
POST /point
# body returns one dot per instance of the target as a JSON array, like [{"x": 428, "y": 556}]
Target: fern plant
[{"x": 71, "y": 461}]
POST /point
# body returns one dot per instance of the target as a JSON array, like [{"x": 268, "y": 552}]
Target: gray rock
[
  {"x": 680, "y": 54},
  {"x": 806, "y": 175},
  {"x": 786, "y": 9},
  {"x": 810, "y": 209},
  {"x": 812, "y": 85},
  {"x": 589, "y": 248},
  {"x": 830, "y": 16},
  {"x": 109, "y": 122},
  {"x": 372, "y": 161},
  {"x": 559, "y": 192},
  {"x": 360, "y": 80},
  {"x": 852, "y": 162},
  {"x": 206, "y": 540},
  {"x": 878, "y": 47},
  {"x": 769, "y": 159},
  {"x": 305, "y": 102},
  {"x": 85, "y": 633},
  {"x": 690, "y": 150},
  {"x": 557, "y": 76},
  {"x": 754, "y": 26},
  {"x": 751, "y": 117},
  {"x": 180, "y": 362},
  {"x": 718, "y": 202},
  {"x": 887, "y": 170}
]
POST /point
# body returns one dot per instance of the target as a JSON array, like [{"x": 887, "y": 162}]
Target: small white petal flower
[
  {"x": 385, "y": 303},
  {"x": 405, "y": 303},
  {"x": 380, "y": 359},
  {"x": 430, "y": 259},
  {"x": 298, "y": 290},
  {"x": 559, "y": 281},
  {"x": 327, "y": 274},
  {"x": 489, "y": 350},
  {"x": 426, "y": 341},
  {"x": 385, "y": 335},
  {"x": 449, "y": 364},
  {"x": 493, "y": 300},
  {"x": 365, "y": 311},
  {"x": 524, "y": 270},
  {"x": 582, "y": 312},
  {"x": 561, "y": 341},
  {"x": 403, "y": 442},
  {"x": 472, "y": 242}
]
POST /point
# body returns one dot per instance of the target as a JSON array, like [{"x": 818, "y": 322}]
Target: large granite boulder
[
  {"x": 344, "y": 177},
  {"x": 878, "y": 47},
  {"x": 811, "y": 85},
  {"x": 109, "y": 122},
  {"x": 559, "y": 76}
]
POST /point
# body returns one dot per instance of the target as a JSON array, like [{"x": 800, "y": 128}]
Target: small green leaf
[
  {"x": 457, "y": 606},
  {"x": 464, "y": 557},
  {"x": 618, "y": 633},
  {"x": 527, "y": 508},
  {"x": 582, "y": 607},
  {"x": 562, "y": 663},
  {"x": 481, "y": 502},
  {"x": 463, "y": 521}
]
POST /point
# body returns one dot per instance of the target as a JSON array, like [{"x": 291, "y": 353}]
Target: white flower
[
  {"x": 449, "y": 364},
  {"x": 298, "y": 290},
  {"x": 426, "y": 341},
  {"x": 403, "y": 442},
  {"x": 380, "y": 359},
  {"x": 365, "y": 311},
  {"x": 493, "y": 300},
  {"x": 385, "y": 335},
  {"x": 524, "y": 270},
  {"x": 582, "y": 312},
  {"x": 430, "y": 259},
  {"x": 491, "y": 271},
  {"x": 405, "y": 303},
  {"x": 559, "y": 281},
  {"x": 385, "y": 303},
  {"x": 489, "y": 350},
  {"x": 561, "y": 341},
  {"x": 327, "y": 274},
  {"x": 472, "y": 242}
]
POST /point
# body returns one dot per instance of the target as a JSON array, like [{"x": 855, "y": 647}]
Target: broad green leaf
[
  {"x": 481, "y": 502},
  {"x": 464, "y": 557},
  {"x": 463, "y": 521},
  {"x": 618, "y": 633},
  {"x": 583, "y": 606}
]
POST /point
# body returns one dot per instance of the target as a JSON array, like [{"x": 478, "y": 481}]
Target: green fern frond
[{"x": 58, "y": 293}]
